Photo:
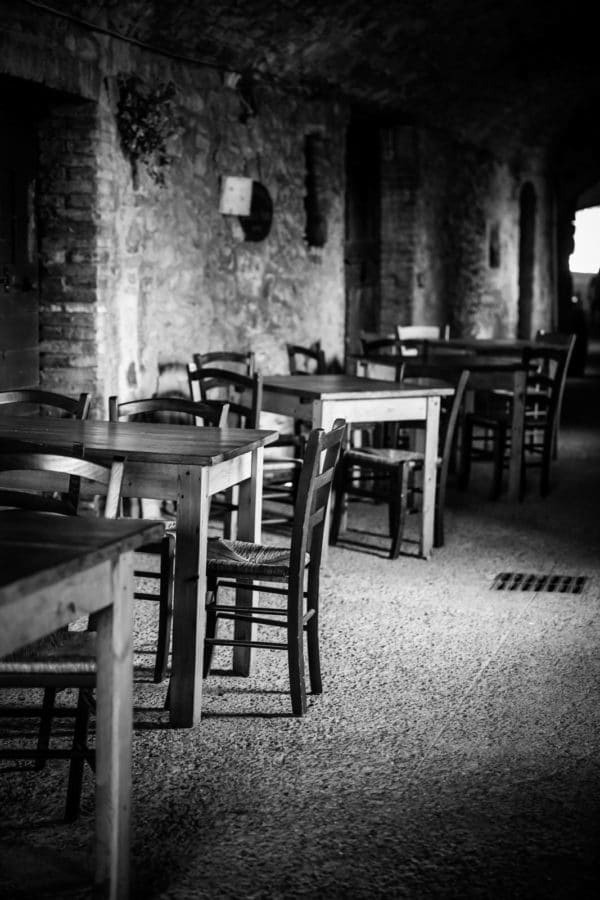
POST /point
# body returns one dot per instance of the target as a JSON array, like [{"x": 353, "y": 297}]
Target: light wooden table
[
  {"x": 320, "y": 399},
  {"x": 50, "y": 575},
  {"x": 187, "y": 464},
  {"x": 488, "y": 372}
]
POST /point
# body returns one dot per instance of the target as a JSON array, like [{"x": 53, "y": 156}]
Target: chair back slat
[
  {"x": 170, "y": 410},
  {"x": 306, "y": 360},
  {"x": 314, "y": 489},
  {"x": 243, "y": 393},
  {"x": 50, "y": 482},
  {"x": 233, "y": 361},
  {"x": 30, "y": 400}
]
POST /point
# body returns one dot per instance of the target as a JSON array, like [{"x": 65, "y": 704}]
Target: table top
[
  {"x": 353, "y": 387},
  {"x": 39, "y": 549},
  {"x": 135, "y": 441},
  {"x": 470, "y": 361}
]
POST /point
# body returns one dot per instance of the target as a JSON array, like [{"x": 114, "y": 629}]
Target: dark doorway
[
  {"x": 363, "y": 240},
  {"x": 527, "y": 222},
  {"x": 19, "y": 332}
]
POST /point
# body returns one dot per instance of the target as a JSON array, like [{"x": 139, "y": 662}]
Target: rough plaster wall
[
  {"x": 182, "y": 278},
  {"x": 429, "y": 295}
]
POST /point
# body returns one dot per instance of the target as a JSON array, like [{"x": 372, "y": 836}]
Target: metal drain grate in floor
[{"x": 526, "y": 581}]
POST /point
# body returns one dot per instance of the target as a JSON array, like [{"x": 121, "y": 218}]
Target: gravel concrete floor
[{"x": 453, "y": 753}]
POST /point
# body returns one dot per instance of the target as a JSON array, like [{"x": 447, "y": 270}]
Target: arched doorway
[{"x": 527, "y": 221}]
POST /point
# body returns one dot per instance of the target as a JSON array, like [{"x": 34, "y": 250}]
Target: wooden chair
[
  {"x": 174, "y": 411},
  {"x": 67, "y": 658},
  {"x": 32, "y": 400},
  {"x": 290, "y": 572},
  {"x": 280, "y": 473},
  {"x": 306, "y": 360},
  {"x": 387, "y": 473},
  {"x": 486, "y": 430},
  {"x": 233, "y": 361},
  {"x": 413, "y": 336},
  {"x": 561, "y": 340}
]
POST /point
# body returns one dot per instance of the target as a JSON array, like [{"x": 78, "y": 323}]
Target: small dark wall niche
[
  {"x": 315, "y": 198},
  {"x": 257, "y": 225},
  {"x": 494, "y": 247}
]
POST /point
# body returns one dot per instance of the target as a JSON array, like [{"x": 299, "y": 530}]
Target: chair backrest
[
  {"x": 373, "y": 346},
  {"x": 306, "y": 360},
  {"x": 421, "y": 332},
  {"x": 243, "y": 393},
  {"x": 559, "y": 339},
  {"x": 546, "y": 373},
  {"x": 314, "y": 490},
  {"x": 233, "y": 361},
  {"x": 34, "y": 400},
  {"x": 170, "y": 411},
  {"x": 449, "y": 420},
  {"x": 50, "y": 482}
]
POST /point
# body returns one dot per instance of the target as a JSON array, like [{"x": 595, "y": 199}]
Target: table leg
[
  {"x": 114, "y": 714},
  {"x": 432, "y": 426},
  {"x": 249, "y": 529},
  {"x": 516, "y": 441},
  {"x": 190, "y": 592}
]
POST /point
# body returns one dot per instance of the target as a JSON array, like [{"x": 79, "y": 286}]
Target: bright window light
[{"x": 586, "y": 256}]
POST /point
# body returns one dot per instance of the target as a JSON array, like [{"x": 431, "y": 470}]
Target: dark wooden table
[
  {"x": 187, "y": 464},
  {"x": 54, "y": 570},
  {"x": 321, "y": 399}
]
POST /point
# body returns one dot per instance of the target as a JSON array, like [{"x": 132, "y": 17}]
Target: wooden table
[
  {"x": 321, "y": 399},
  {"x": 488, "y": 372},
  {"x": 51, "y": 575},
  {"x": 187, "y": 464}
]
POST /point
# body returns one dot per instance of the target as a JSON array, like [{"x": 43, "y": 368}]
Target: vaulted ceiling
[{"x": 492, "y": 71}]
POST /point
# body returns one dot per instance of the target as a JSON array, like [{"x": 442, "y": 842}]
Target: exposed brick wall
[{"x": 66, "y": 197}]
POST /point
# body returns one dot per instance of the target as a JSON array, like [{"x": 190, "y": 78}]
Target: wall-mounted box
[{"x": 236, "y": 195}]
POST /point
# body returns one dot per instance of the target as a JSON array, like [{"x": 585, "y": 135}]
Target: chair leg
[
  {"x": 312, "y": 635},
  {"x": 397, "y": 508},
  {"x": 165, "y": 619},
  {"x": 339, "y": 496},
  {"x": 210, "y": 629},
  {"x": 295, "y": 642},
  {"x": 465, "y": 455},
  {"x": 80, "y": 750},
  {"x": 499, "y": 454},
  {"x": 545, "y": 471},
  {"x": 45, "y": 727}
]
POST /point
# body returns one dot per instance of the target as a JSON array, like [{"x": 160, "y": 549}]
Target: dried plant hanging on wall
[{"x": 146, "y": 119}]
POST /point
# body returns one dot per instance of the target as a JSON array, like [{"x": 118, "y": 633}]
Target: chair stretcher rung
[
  {"x": 258, "y": 645},
  {"x": 240, "y": 617},
  {"x": 262, "y": 610}
]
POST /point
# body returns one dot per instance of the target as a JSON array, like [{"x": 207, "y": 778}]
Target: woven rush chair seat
[
  {"x": 244, "y": 558},
  {"x": 291, "y": 572},
  {"x": 382, "y": 456},
  {"x": 63, "y": 653}
]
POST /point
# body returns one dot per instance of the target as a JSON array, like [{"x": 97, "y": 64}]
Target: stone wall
[{"x": 136, "y": 274}]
